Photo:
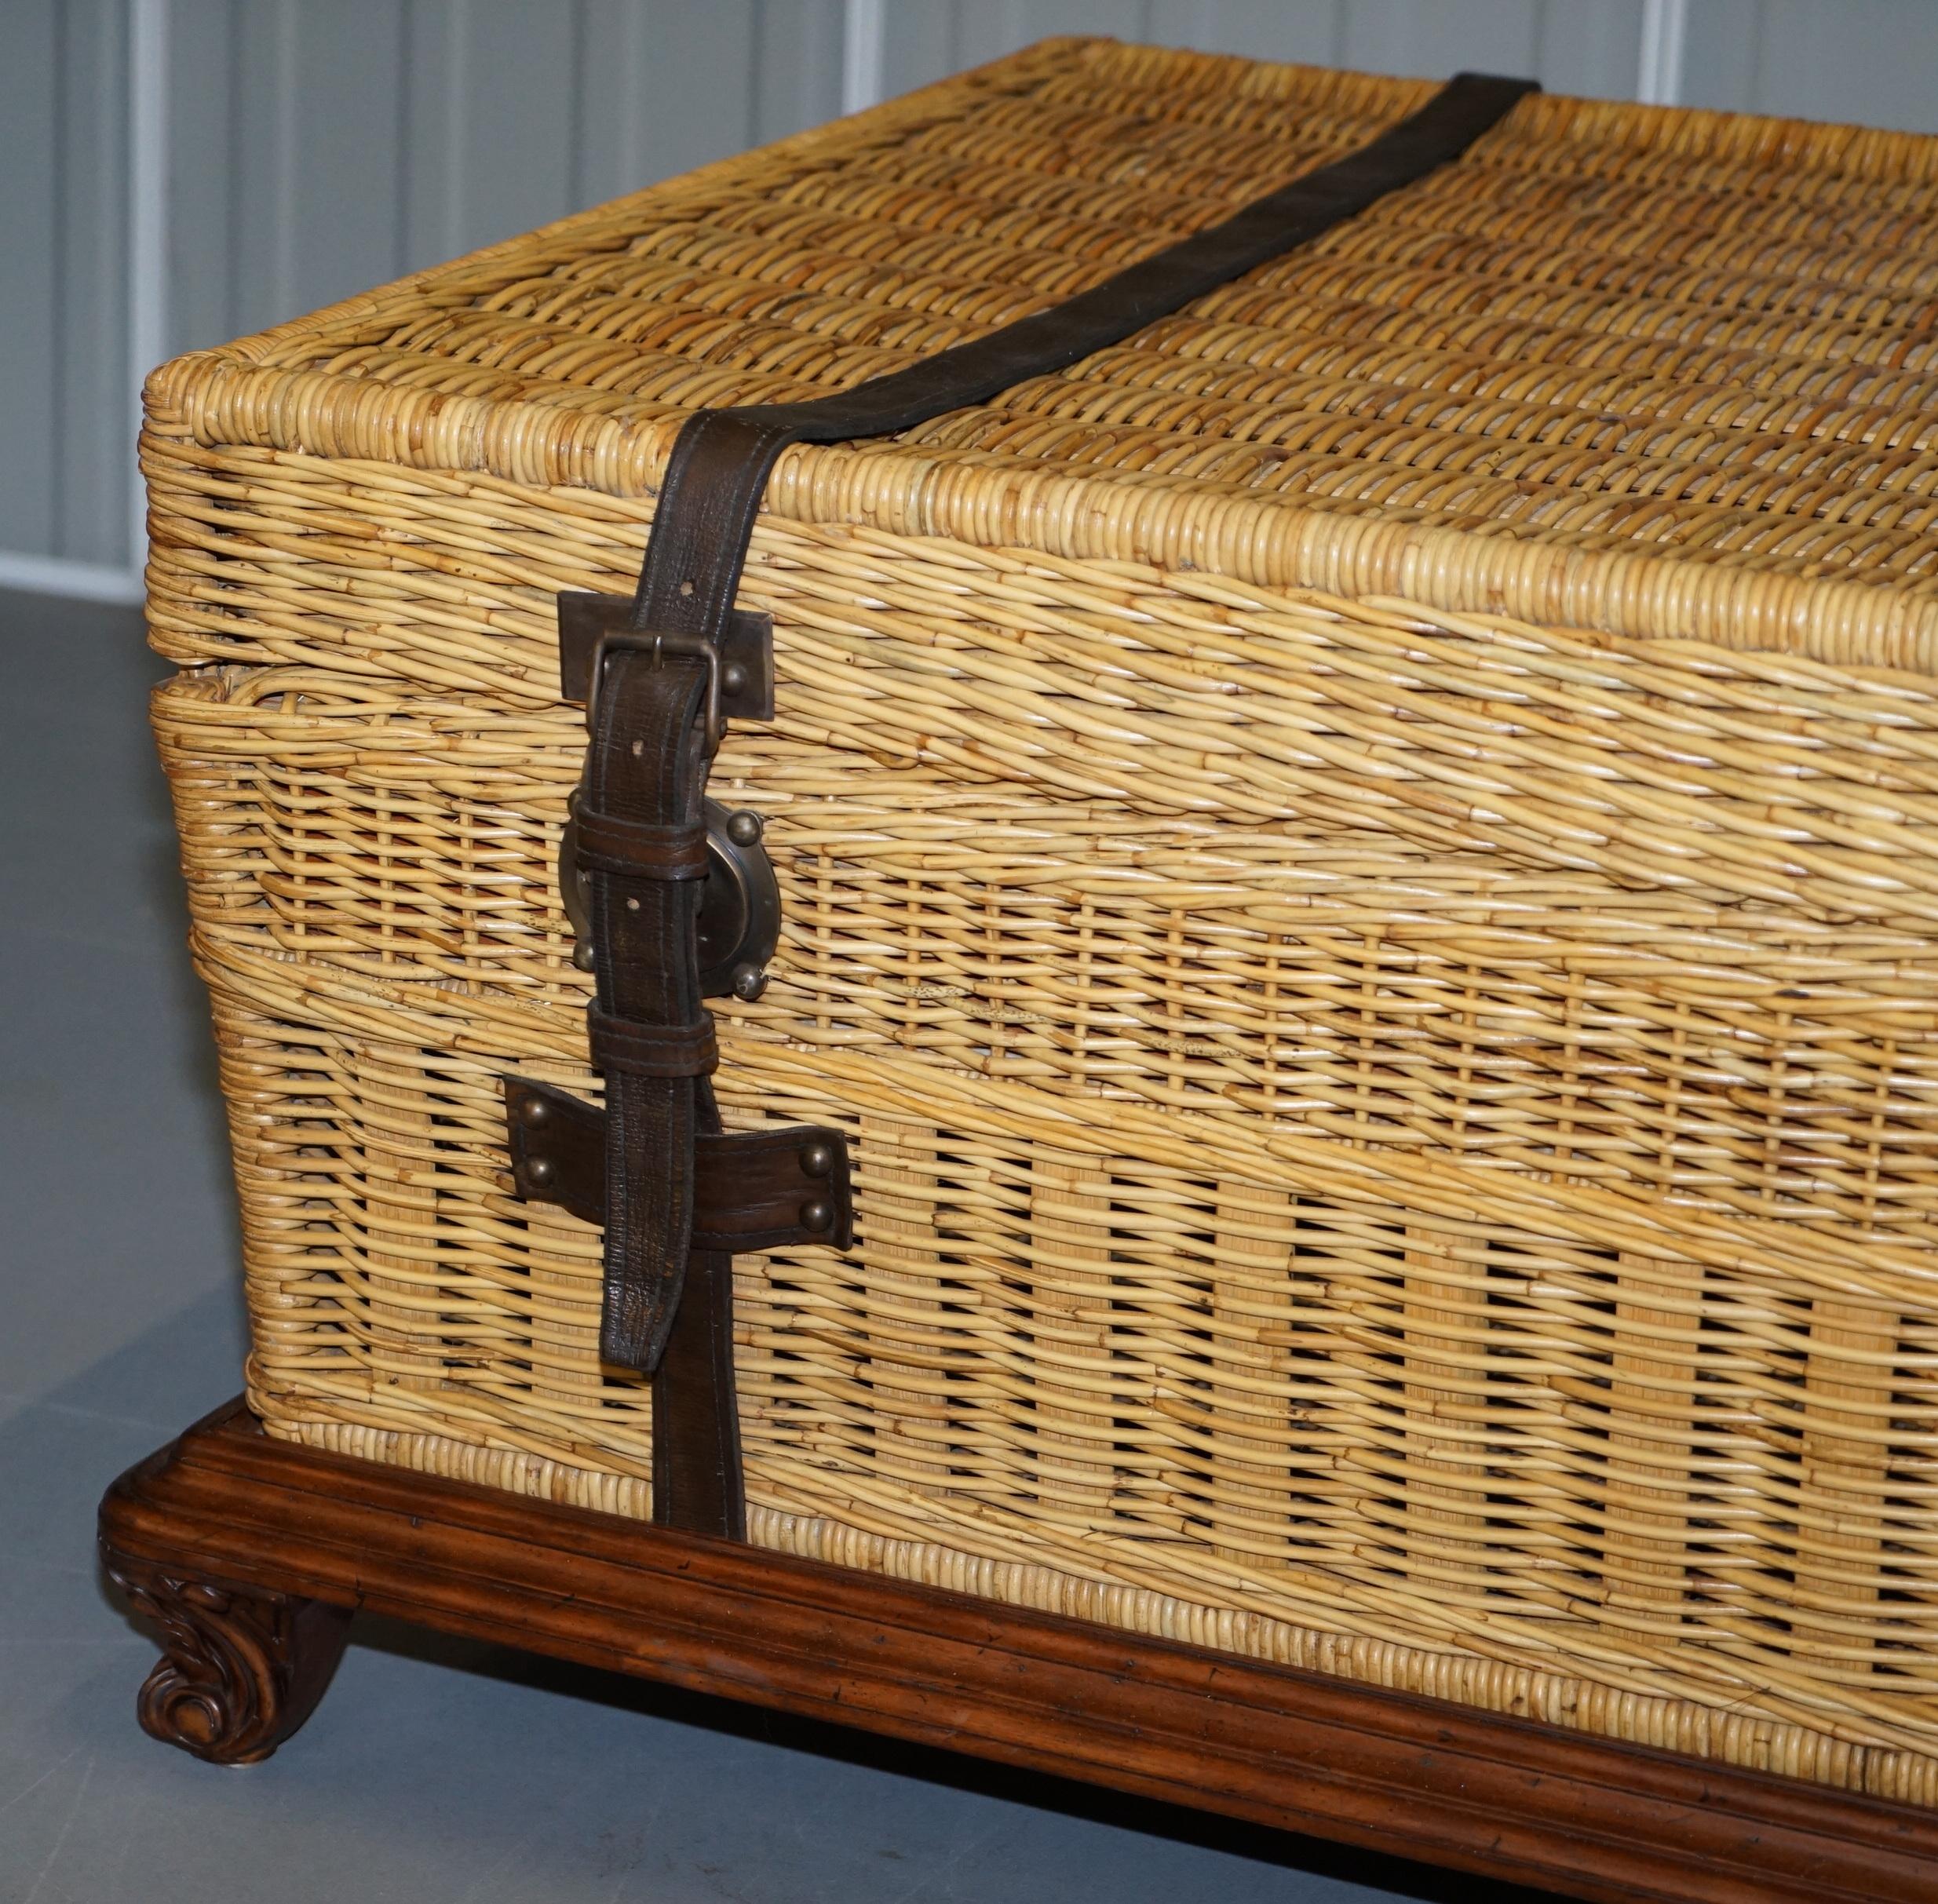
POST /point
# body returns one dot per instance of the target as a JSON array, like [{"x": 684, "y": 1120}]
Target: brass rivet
[
  {"x": 686, "y": 588},
  {"x": 818, "y": 1159},
  {"x": 632, "y": 904},
  {"x": 541, "y": 1170},
  {"x": 749, "y": 982},
  {"x": 639, "y": 747},
  {"x": 817, "y": 1217},
  {"x": 733, "y": 678},
  {"x": 743, "y": 828},
  {"x": 582, "y": 958},
  {"x": 533, "y": 1111}
]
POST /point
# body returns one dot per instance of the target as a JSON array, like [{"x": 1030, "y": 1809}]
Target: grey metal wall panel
[
  {"x": 1582, "y": 46},
  {"x": 987, "y": 31},
  {"x": 1589, "y": 46},
  {"x": 1406, "y": 36},
  {"x": 1869, "y": 62},
  {"x": 918, "y": 45},
  {"x": 662, "y": 90},
  {"x": 65, "y": 405},
  {"x": 926, "y": 40},
  {"x": 796, "y": 78},
  {"x": 337, "y": 101},
  {"x": 492, "y": 114},
  {"x": 31, "y": 240},
  {"x": 262, "y": 185},
  {"x": 203, "y": 77},
  {"x": 93, "y": 437},
  {"x": 1309, "y": 32},
  {"x": 436, "y": 66},
  {"x": 1719, "y": 55},
  {"x": 322, "y": 150}
]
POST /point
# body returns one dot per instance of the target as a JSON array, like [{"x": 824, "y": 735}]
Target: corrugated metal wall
[
  {"x": 319, "y": 147},
  {"x": 1569, "y": 45},
  {"x": 64, "y": 406},
  {"x": 1865, "y": 62}
]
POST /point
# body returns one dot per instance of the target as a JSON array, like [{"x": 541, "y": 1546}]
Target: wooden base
[{"x": 250, "y": 1555}]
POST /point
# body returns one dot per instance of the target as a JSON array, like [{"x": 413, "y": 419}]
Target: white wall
[{"x": 314, "y": 147}]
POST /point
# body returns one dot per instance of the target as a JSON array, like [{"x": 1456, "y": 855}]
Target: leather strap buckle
[
  {"x": 746, "y": 651},
  {"x": 659, "y": 645}
]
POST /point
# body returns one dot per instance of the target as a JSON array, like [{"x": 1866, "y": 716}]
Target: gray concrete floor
[{"x": 435, "y": 1770}]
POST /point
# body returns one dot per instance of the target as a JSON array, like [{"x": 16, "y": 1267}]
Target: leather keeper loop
[
  {"x": 651, "y": 1051},
  {"x": 638, "y": 849}
]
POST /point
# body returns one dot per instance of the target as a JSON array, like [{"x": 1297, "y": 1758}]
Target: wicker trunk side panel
[
  {"x": 1034, "y": 1375},
  {"x": 1412, "y": 1128}
]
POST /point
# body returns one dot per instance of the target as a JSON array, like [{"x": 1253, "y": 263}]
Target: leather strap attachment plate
[
  {"x": 752, "y": 1190},
  {"x": 746, "y": 652}
]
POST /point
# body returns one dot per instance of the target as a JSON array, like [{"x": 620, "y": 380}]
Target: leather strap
[
  {"x": 645, "y": 765},
  {"x": 722, "y": 458},
  {"x": 639, "y": 809}
]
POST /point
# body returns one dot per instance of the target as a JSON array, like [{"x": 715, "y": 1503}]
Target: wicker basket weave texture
[{"x": 1389, "y": 1137}]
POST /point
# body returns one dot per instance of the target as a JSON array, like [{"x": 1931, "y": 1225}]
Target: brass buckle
[{"x": 659, "y": 645}]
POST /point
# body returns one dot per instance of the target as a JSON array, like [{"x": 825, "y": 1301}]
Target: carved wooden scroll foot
[{"x": 240, "y": 1672}]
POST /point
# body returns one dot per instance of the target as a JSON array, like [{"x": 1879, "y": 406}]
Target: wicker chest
[{"x": 1357, "y": 872}]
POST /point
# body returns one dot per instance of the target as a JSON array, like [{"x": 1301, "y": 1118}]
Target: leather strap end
[
  {"x": 633, "y": 1334},
  {"x": 625, "y": 1045}
]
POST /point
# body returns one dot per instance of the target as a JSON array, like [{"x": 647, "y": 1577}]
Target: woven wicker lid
[{"x": 1661, "y": 373}]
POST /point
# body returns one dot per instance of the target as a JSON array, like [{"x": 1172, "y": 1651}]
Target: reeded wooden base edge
[{"x": 259, "y": 1547}]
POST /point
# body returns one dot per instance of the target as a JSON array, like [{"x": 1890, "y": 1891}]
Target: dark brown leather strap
[
  {"x": 646, "y": 766},
  {"x": 697, "y": 1481},
  {"x": 656, "y": 696},
  {"x": 722, "y": 458}
]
